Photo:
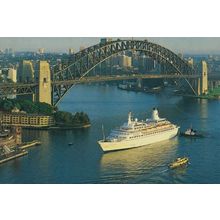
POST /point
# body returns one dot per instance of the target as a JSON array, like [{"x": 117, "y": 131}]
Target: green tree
[{"x": 8, "y": 105}]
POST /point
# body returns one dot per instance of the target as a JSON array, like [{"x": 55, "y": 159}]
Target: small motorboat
[
  {"x": 179, "y": 162},
  {"x": 190, "y": 132},
  {"x": 3, "y": 134},
  {"x": 70, "y": 143}
]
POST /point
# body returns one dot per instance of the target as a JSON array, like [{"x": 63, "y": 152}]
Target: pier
[
  {"x": 23, "y": 153},
  {"x": 30, "y": 144}
]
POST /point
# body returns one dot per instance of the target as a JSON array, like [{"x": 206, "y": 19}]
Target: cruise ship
[{"x": 136, "y": 133}]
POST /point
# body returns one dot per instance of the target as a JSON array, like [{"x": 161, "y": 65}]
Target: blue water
[{"x": 84, "y": 162}]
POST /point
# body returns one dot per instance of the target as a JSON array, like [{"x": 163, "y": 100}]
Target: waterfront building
[{"x": 26, "y": 120}]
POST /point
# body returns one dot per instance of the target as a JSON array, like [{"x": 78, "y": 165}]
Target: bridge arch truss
[{"x": 86, "y": 60}]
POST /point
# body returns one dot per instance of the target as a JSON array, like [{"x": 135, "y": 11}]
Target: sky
[{"x": 191, "y": 45}]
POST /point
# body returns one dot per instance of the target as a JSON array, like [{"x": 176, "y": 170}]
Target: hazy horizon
[{"x": 186, "y": 45}]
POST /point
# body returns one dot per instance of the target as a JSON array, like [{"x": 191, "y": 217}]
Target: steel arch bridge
[{"x": 86, "y": 60}]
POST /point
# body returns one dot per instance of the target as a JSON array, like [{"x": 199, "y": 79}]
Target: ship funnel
[{"x": 155, "y": 115}]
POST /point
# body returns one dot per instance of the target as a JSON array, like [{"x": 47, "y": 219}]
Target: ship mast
[
  {"x": 103, "y": 132},
  {"x": 129, "y": 118}
]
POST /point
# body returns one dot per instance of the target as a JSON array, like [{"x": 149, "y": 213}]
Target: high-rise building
[
  {"x": 146, "y": 63},
  {"x": 128, "y": 61},
  {"x": 25, "y": 71},
  {"x": 190, "y": 61},
  {"x": 81, "y": 48},
  {"x": 150, "y": 64},
  {"x": 12, "y": 74},
  {"x": 41, "y": 51},
  {"x": 135, "y": 59},
  {"x": 71, "y": 51},
  {"x": 180, "y": 55},
  {"x": 10, "y": 51},
  {"x": 125, "y": 61}
]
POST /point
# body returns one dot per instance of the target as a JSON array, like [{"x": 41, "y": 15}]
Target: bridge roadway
[
  {"x": 30, "y": 88},
  {"x": 99, "y": 79},
  {"x": 122, "y": 77}
]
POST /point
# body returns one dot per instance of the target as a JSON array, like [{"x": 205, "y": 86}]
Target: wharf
[
  {"x": 20, "y": 154},
  {"x": 30, "y": 144}
]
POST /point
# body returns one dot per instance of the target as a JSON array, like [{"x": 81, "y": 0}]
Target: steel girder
[
  {"x": 87, "y": 59},
  {"x": 17, "y": 89},
  {"x": 84, "y": 61}
]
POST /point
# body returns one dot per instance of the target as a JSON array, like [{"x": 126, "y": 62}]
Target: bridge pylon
[
  {"x": 44, "y": 87},
  {"x": 204, "y": 78},
  {"x": 198, "y": 87}
]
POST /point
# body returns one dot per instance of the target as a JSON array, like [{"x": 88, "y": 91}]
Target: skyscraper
[
  {"x": 12, "y": 74},
  {"x": 81, "y": 48},
  {"x": 125, "y": 61},
  {"x": 190, "y": 61},
  {"x": 41, "y": 51},
  {"x": 25, "y": 71},
  {"x": 71, "y": 51}
]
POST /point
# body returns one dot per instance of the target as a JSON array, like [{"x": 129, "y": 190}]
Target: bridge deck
[{"x": 29, "y": 88}]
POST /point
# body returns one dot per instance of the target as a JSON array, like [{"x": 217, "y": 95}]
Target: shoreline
[
  {"x": 59, "y": 127},
  {"x": 69, "y": 127}
]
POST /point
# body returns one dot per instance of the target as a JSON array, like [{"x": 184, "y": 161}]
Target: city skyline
[{"x": 190, "y": 45}]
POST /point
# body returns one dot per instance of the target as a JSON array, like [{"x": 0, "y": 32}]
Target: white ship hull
[{"x": 149, "y": 139}]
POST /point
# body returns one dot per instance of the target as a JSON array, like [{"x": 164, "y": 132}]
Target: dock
[
  {"x": 30, "y": 144},
  {"x": 13, "y": 157},
  {"x": 21, "y": 151}
]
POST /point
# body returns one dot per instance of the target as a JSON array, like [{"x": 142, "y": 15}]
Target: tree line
[{"x": 30, "y": 107}]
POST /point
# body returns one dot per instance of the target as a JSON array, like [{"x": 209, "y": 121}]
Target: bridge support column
[
  {"x": 198, "y": 87},
  {"x": 204, "y": 83},
  {"x": 211, "y": 85},
  {"x": 139, "y": 83},
  {"x": 44, "y": 89}
]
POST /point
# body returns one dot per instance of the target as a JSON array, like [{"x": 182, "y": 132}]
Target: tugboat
[
  {"x": 179, "y": 162},
  {"x": 190, "y": 132}
]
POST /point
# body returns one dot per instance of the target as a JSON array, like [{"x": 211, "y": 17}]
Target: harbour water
[{"x": 84, "y": 162}]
